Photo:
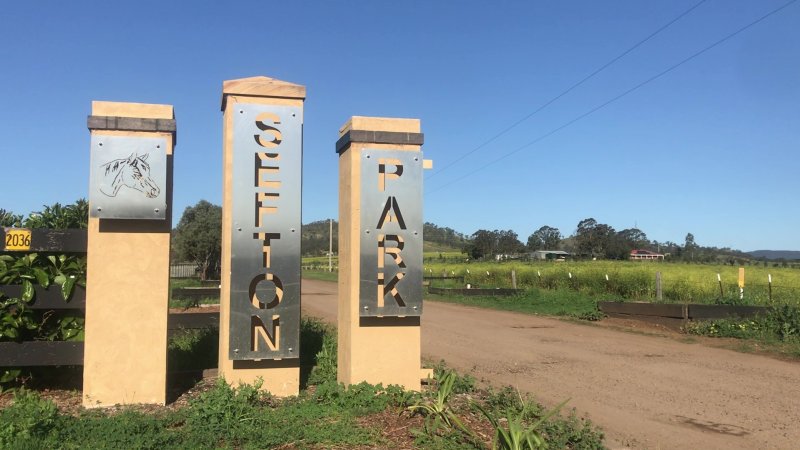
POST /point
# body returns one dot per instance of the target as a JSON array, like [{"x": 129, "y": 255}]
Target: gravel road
[{"x": 645, "y": 391}]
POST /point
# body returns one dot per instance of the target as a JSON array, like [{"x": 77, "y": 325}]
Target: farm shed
[{"x": 550, "y": 254}]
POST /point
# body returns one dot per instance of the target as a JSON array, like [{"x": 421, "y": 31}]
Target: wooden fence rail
[
  {"x": 183, "y": 270},
  {"x": 64, "y": 353},
  {"x": 493, "y": 292},
  {"x": 444, "y": 277},
  {"x": 680, "y": 311},
  {"x": 46, "y": 353},
  {"x": 195, "y": 293},
  {"x": 49, "y": 298},
  {"x": 46, "y": 240},
  {"x": 70, "y": 353},
  {"x": 41, "y": 353}
]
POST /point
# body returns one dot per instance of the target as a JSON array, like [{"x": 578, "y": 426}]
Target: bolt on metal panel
[
  {"x": 128, "y": 177},
  {"x": 265, "y": 256},
  {"x": 391, "y": 234}
]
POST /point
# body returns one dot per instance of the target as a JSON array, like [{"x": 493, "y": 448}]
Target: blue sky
[{"x": 709, "y": 148}]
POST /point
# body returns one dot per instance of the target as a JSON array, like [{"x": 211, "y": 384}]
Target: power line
[
  {"x": 568, "y": 90},
  {"x": 603, "y": 105}
]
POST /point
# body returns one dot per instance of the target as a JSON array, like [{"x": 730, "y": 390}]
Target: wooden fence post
[
  {"x": 741, "y": 283},
  {"x": 685, "y": 312},
  {"x": 659, "y": 293},
  {"x": 769, "y": 286},
  {"x": 513, "y": 279}
]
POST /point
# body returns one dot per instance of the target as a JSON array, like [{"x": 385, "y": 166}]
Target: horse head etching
[{"x": 133, "y": 172}]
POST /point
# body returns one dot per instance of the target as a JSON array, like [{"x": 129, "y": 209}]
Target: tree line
[
  {"x": 593, "y": 239},
  {"x": 197, "y": 238}
]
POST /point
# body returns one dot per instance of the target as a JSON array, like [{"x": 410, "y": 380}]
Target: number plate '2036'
[{"x": 17, "y": 239}]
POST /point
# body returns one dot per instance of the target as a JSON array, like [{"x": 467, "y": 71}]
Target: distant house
[
  {"x": 557, "y": 255},
  {"x": 637, "y": 255}
]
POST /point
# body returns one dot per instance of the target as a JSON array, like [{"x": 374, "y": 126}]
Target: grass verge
[
  {"x": 321, "y": 275},
  {"x": 777, "y": 332},
  {"x": 564, "y": 303},
  {"x": 325, "y": 414}
]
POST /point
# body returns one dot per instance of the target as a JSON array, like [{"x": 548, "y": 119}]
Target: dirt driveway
[{"x": 645, "y": 391}]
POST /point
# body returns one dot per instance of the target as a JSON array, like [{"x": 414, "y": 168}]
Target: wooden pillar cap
[
  {"x": 137, "y": 110},
  {"x": 379, "y": 130},
  {"x": 261, "y": 87},
  {"x": 380, "y": 124},
  {"x": 144, "y": 117}
]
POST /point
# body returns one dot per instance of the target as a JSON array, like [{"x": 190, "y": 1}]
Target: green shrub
[
  {"x": 572, "y": 432},
  {"x": 193, "y": 349},
  {"x": 785, "y": 321},
  {"x": 513, "y": 430},
  {"x": 591, "y": 316},
  {"x": 126, "y": 429},
  {"x": 318, "y": 352},
  {"x": 754, "y": 328},
  {"x": 461, "y": 383},
  {"x": 28, "y": 418},
  {"x": 60, "y": 217},
  {"x": 436, "y": 409},
  {"x": 443, "y": 441},
  {"x": 781, "y": 323},
  {"x": 525, "y": 414},
  {"x": 505, "y": 398},
  {"x": 225, "y": 412},
  {"x": 362, "y": 398}
]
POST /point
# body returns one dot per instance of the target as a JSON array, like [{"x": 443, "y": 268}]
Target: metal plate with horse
[{"x": 128, "y": 177}]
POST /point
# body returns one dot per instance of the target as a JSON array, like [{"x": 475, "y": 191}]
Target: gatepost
[
  {"x": 261, "y": 220},
  {"x": 127, "y": 282},
  {"x": 380, "y": 251}
]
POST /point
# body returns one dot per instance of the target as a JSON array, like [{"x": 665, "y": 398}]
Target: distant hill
[
  {"x": 314, "y": 239},
  {"x": 437, "y": 239},
  {"x": 432, "y": 247},
  {"x": 442, "y": 239},
  {"x": 776, "y": 254}
]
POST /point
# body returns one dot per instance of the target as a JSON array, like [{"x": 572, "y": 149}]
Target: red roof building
[{"x": 637, "y": 255}]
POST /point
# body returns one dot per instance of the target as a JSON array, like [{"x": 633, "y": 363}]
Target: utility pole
[{"x": 330, "y": 245}]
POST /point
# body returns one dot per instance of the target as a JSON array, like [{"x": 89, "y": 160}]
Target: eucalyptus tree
[
  {"x": 197, "y": 237},
  {"x": 545, "y": 238}
]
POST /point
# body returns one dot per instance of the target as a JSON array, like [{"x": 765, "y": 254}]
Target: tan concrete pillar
[
  {"x": 380, "y": 251},
  {"x": 127, "y": 282},
  {"x": 261, "y": 220}
]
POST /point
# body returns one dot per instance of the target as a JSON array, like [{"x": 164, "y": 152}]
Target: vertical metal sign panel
[
  {"x": 128, "y": 177},
  {"x": 265, "y": 244},
  {"x": 391, "y": 233}
]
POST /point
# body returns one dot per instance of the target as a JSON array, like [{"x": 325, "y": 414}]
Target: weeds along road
[{"x": 645, "y": 391}]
